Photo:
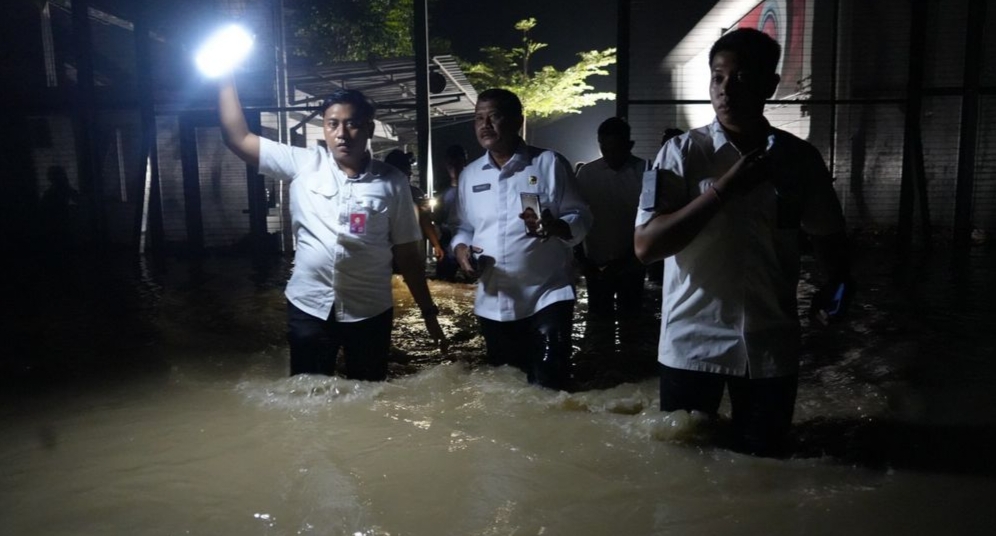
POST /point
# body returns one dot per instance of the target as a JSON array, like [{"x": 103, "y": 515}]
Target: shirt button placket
[{"x": 505, "y": 193}]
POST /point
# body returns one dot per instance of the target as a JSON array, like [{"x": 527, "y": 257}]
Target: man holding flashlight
[{"x": 352, "y": 216}]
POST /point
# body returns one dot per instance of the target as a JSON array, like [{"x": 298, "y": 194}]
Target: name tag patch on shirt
[
  {"x": 358, "y": 223},
  {"x": 482, "y": 187}
]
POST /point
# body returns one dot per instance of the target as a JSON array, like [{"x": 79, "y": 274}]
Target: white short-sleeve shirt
[
  {"x": 612, "y": 195},
  {"x": 345, "y": 229},
  {"x": 729, "y": 297},
  {"x": 520, "y": 274}
]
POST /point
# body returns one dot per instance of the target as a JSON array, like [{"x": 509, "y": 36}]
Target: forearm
[
  {"x": 667, "y": 234},
  {"x": 409, "y": 263},
  {"x": 234, "y": 129},
  {"x": 577, "y": 226},
  {"x": 428, "y": 229},
  {"x": 462, "y": 236},
  {"x": 833, "y": 255},
  {"x": 573, "y": 210}
]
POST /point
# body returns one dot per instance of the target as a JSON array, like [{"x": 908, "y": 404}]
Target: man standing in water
[
  {"x": 611, "y": 187},
  {"x": 730, "y": 200},
  {"x": 520, "y": 214},
  {"x": 403, "y": 162},
  {"x": 446, "y": 211},
  {"x": 352, "y": 216}
]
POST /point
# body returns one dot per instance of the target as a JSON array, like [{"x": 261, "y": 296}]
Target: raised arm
[
  {"x": 667, "y": 234},
  {"x": 234, "y": 129}
]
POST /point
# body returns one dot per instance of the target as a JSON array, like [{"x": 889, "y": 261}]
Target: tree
[
  {"x": 546, "y": 92},
  {"x": 327, "y": 31},
  {"x": 351, "y": 30}
]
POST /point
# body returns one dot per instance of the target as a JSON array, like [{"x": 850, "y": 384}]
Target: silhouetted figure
[
  {"x": 611, "y": 187},
  {"x": 403, "y": 162},
  {"x": 446, "y": 211},
  {"x": 58, "y": 207}
]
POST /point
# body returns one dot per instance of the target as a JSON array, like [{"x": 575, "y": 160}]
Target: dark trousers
[
  {"x": 762, "y": 408},
  {"x": 540, "y": 345},
  {"x": 615, "y": 292},
  {"x": 314, "y": 344}
]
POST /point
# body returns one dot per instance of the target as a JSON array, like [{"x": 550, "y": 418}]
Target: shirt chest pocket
[
  {"x": 316, "y": 197},
  {"x": 367, "y": 218}
]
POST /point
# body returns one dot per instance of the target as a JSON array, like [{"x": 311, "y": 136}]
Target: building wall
[
  {"x": 109, "y": 208},
  {"x": 171, "y": 180},
  {"x": 224, "y": 191},
  {"x": 856, "y": 80},
  {"x": 116, "y": 194}
]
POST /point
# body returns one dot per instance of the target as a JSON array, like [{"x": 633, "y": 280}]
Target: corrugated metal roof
[{"x": 390, "y": 84}]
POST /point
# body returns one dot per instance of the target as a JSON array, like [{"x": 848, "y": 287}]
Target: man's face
[
  {"x": 454, "y": 167},
  {"x": 346, "y": 133},
  {"x": 614, "y": 149},
  {"x": 496, "y": 132},
  {"x": 738, "y": 91}
]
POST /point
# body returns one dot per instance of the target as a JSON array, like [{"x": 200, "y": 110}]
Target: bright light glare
[{"x": 223, "y": 51}]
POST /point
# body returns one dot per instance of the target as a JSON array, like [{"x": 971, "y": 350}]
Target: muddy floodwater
[{"x": 152, "y": 398}]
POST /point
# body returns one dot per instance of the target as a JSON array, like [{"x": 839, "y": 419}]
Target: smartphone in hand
[{"x": 531, "y": 211}]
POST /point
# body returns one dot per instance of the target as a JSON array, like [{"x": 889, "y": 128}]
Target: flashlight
[{"x": 223, "y": 51}]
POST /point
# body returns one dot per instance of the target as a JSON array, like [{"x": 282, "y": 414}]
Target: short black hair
[
  {"x": 456, "y": 153},
  {"x": 361, "y": 105},
  {"x": 401, "y": 160},
  {"x": 507, "y": 101},
  {"x": 752, "y": 46},
  {"x": 615, "y": 127}
]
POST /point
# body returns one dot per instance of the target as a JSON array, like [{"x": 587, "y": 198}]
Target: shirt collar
[
  {"x": 519, "y": 155},
  {"x": 328, "y": 188},
  {"x": 720, "y": 140}
]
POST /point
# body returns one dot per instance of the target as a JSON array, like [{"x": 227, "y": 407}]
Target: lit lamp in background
[{"x": 223, "y": 51}]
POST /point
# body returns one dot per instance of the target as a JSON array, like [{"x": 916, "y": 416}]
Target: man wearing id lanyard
[
  {"x": 519, "y": 216},
  {"x": 352, "y": 216},
  {"x": 724, "y": 212}
]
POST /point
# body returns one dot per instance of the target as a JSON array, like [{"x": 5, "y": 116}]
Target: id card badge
[
  {"x": 357, "y": 217},
  {"x": 358, "y": 223}
]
